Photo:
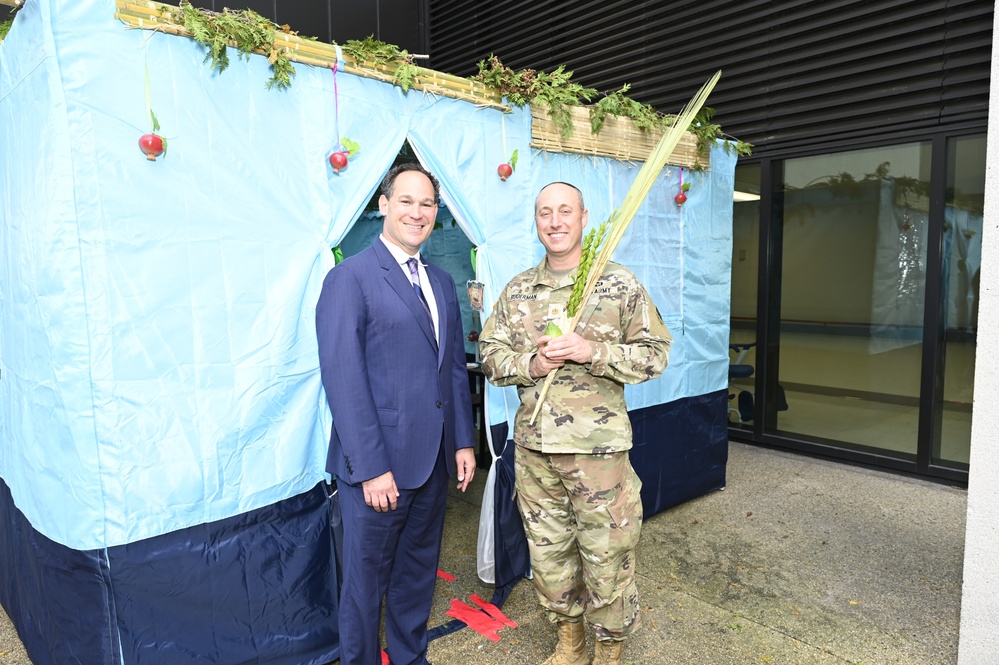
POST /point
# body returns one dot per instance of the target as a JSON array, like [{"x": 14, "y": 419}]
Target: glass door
[
  {"x": 962, "y": 258},
  {"x": 852, "y": 296},
  {"x": 745, "y": 276},
  {"x": 837, "y": 344}
]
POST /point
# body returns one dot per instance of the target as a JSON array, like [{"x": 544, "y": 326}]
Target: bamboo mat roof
[{"x": 618, "y": 139}]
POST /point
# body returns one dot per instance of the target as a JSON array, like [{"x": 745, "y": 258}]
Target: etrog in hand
[{"x": 552, "y": 330}]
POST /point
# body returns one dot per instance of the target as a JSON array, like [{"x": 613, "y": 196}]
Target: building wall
[
  {"x": 980, "y": 598},
  {"x": 795, "y": 74}
]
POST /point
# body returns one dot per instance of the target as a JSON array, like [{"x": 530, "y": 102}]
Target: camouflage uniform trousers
[{"x": 583, "y": 516}]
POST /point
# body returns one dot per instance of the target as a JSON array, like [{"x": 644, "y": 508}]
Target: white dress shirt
[{"x": 428, "y": 292}]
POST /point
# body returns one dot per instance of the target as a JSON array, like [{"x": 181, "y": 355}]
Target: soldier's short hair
[{"x": 582, "y": 206}]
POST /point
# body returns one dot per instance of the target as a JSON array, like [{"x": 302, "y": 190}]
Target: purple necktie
[{"x": 414, "y": 277}]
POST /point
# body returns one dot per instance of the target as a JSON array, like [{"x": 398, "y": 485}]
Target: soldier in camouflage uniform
[{"x": 576, "y": 490}]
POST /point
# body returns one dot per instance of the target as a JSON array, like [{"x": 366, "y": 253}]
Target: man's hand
[
  {"x": 464, "y": 462},
  {"x": 569, "y": 347},
  {"x": 380, "y": 492},
  {"x": 541, "y": 363}
]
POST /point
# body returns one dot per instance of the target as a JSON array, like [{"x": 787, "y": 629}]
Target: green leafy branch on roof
[
  {"x": 644, "y": 116},
  {"x": 377, "y": 52},
  {"x": 245, "y": 29},
  {"x": 558, "y": 93},
  {"x": 707, "y": 132}
]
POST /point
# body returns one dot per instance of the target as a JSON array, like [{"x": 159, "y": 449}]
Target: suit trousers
[{"x": 390, "y": 558}]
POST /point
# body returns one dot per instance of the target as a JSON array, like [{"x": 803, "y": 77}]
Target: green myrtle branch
[{"x": 244, "y": 29}]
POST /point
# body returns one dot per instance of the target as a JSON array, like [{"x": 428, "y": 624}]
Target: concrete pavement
[{"x": 798, "y": 561}]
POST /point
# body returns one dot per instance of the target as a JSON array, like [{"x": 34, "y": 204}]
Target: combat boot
[
  {"x": 571, "y": 647},
  {"x": 608, "y": 653}
]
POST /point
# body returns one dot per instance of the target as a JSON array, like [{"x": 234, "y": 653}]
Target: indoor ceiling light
[{"x": 739, "y": 197}]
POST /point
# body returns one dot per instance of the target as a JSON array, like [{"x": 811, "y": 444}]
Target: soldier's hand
[
  {"x": 569, "y": 347},
  {"x": 541, "y": 363},
  {"x": 380, "y": 492}
]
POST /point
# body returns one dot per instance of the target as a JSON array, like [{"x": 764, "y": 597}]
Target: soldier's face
[
  {"x": 410, "y": 213},
  {"x": 560, "y": 218}
]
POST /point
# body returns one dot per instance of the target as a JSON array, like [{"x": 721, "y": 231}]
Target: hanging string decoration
[
  {"x": 152, "y": 144},
  {"x": 681, "y": 196},
  {"x": 344, "y": 148}
]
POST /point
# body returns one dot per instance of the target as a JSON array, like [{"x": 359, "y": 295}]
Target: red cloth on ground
[
  {"x": 492, "y": 610},
  {"x": 478, "y": 621}
]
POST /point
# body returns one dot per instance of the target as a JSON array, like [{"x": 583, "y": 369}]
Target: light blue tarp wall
[
  {"x": 157, "y": 341},
  {"x": 158, "y": 349}
]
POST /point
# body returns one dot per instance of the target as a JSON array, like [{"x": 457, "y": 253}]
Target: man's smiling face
[
  {"x": 560, "y": 218},
  {"x": 410, "y": 213}
]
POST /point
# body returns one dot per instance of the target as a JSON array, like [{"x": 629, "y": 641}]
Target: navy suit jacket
[{"x": 396, "y": 396}]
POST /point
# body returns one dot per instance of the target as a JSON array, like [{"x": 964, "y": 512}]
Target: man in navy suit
[{"x": 392, "y": 355}]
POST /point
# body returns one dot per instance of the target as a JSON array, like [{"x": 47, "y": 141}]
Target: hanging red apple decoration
[
  {"x": 681, "y": 197},
  {"x": 506, "y": 170},
  {"x": 340, "y": 157},
  {"x": 338, "y": 160},
  {"x": 151, "y": 145}
]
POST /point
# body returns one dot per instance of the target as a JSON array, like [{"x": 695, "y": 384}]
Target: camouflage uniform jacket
[{"x": 584, "y": 411}]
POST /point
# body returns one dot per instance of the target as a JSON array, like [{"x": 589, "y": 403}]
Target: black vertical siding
[
  {"x": 309, "y": 19},
  {"x": 796, "y": 72}
]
